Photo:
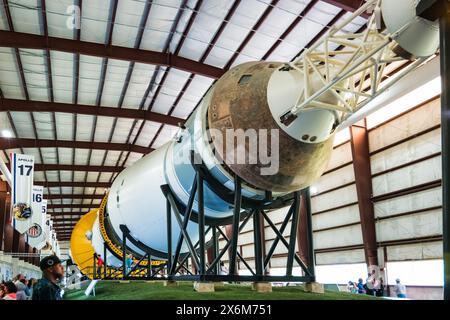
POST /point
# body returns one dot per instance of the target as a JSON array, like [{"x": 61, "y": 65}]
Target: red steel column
[
  {"x": 363, "y": 179},
  {"x": 302, "y": 231},
  {"x": 193, "y": 268},
  {"x": 3, "y": 197},
  {"x": 27, "y": 251},
  {"x": 35, "y": 259},
  {"x": 8, "y": 229},
  {"x": 229, "y": 234},
  {"x": 210, "y": 255},
  {"x": 21, "y": 248}
]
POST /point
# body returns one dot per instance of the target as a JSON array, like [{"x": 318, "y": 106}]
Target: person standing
[
  {"x": 361, "y": 289},
  {"x": 100, "y": 264},
  {"x": 370, "y": 283},
  {"x": 352, "y": 287},
  {"x": 129, "y": 263},
  {"x": 52, "y": 272},
  {"x": 31, "y": 284},
  {"x": 380, "y": 292},
  {"x": 23, "y": 293},
  {"x": 400, "y": 289},
  {"x": 223, "y": 269}
]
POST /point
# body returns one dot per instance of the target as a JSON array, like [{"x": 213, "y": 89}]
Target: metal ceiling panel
[{"x": 94, "y": 20}]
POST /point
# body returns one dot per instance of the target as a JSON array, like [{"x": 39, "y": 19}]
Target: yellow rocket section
[
  {"x": 83, "y": 252},
  {"x": 80, "y": 247}
]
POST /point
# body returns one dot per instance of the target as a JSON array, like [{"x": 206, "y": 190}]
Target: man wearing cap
[
  {"x": 52, "y": 271},
  {"x": 400, "y": 289}
]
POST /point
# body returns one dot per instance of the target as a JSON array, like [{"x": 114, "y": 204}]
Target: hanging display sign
[
  {"x": 35, "y": 233},
  {"x": 53, "y": 241},
  {"x": 22, "y": 170},
  {"x": 42, "y": 241}
]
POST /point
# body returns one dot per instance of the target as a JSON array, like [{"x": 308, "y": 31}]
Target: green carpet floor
[{"x": 137, "y": 290}]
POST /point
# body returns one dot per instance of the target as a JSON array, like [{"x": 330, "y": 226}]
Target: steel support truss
[{"x": 350, "y": 66}]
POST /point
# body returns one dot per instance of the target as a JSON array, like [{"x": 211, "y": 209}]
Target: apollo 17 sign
[{"x": 22, "y": 170}]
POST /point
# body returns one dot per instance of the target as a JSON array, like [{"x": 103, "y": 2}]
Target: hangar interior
[{"x": 91, "y": 100}]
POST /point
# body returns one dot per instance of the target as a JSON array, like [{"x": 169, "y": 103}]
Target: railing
[{"x": 112, "y": 273}]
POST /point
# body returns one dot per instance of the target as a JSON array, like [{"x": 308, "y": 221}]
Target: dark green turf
[{"x": 137, "y": 290}]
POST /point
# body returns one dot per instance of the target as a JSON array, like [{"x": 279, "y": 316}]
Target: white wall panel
[
  {"x": 410, "y": 227},
  {"x": 335, "y": 179},
  {"x": 278, "y": 262},
  {"x": 411, "y": 150},
  {"x": 278, "y": 215},
  {"x": 248, "y": 251},
  {"x": 411, "y": 202},
  {"x": 334, "y": 199},
  {"x": 416, "y": 174},
  {"x": 346, "y": 236},
  {"x": 245, "y": 238},
  {"x": 340, "y": 257},
  {"x": 419, "y": 251},
  {"x": 405, "y": 126},
  {"x": 248, "y": 226},
  {"x": 335, "y": 218},
  {"x": 340, "y": 156}
]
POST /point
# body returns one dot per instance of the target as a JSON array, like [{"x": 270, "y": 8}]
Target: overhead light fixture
[{"x": 6, "y": 133}]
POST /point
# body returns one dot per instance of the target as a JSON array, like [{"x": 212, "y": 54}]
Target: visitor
[
  {"x": 10, "y": 291},
  {"x": 370, "y": 282},
  {"x": 380, "y": 292},
  {"x": 223, "y": 271},
  {"x": 376, "y": 287},
  {"x": 31, "y": 284},
  {"x": 22, "y": 290},
  {"x": 129, "y": 264},
  {"x": 100, "y": 264},
  {"x": 400, "y": 289},
  {"x": 352, "y": 287},
  {"x": 361, "y": 289},
  {"x": 52, "y": 272},
  {"x": 18, "y": 278}
]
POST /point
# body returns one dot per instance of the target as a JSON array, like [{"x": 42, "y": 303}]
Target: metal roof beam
[
  {"x": 72, "y": 206},
  {"x": 13, "y": 143},
  {"x": 74, "y": 196},
  {"x": 32, "y": 41},
  {"x": 54, "y": 184},
  {"x": 68, "y": 167},
  {"x": 16, "y": 105}
]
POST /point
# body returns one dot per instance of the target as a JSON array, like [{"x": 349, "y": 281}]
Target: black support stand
[
  {"x": 211, "y": 271},
  {"x": 445, "y": 126},
  {"x": 175, "y": 268}
]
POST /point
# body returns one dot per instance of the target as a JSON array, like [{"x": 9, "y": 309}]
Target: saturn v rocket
[{"x": 292, "y": 109}]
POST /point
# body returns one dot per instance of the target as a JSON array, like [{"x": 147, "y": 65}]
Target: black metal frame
[
  {"x": 242, "y": 212},
  {"x": 445, "y": 136},
  {"x": 210, "y": 272},
  {"x": 433, "y": 10}
]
